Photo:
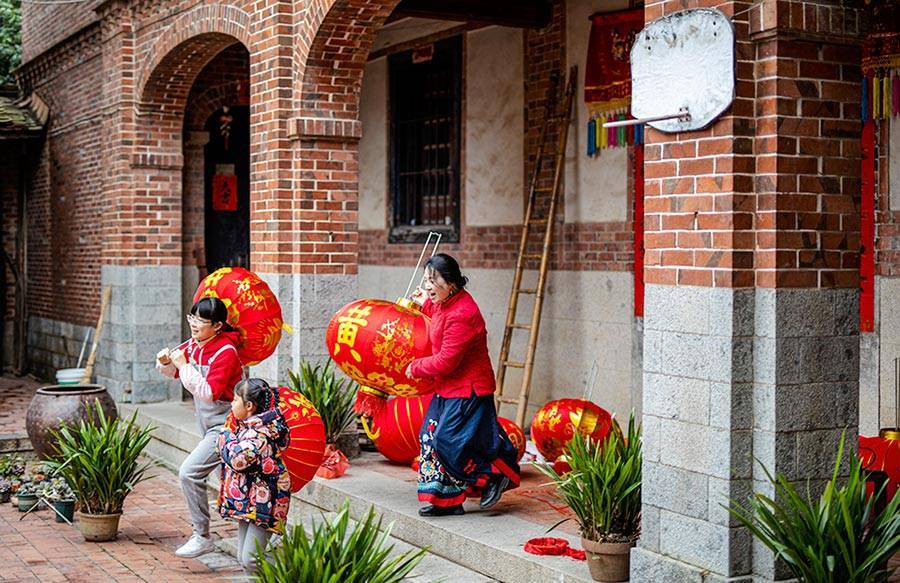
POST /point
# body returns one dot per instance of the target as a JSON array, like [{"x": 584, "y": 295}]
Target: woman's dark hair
[
  {"x": 448, "y": 268},
  {"x": 258, "y": 392},
  {"x": 214, "y": 310}
]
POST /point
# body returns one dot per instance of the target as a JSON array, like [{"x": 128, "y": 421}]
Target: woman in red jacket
[{"x": 464, "y": 450}]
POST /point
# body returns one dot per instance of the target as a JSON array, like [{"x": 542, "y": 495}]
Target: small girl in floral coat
[{"x": 255, "y": 486}]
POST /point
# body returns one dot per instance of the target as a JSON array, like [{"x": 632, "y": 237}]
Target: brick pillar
[{"x": 751, "y": 336}]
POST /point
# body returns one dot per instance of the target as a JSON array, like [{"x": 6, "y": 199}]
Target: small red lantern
[
  {"x": 252, "y": 308},
  {"x": 304, "y": 453},
  {"x": 395, "y": 429},
  {"x": 373, "y": 341},
  {"x": 555, "y": 424},
  {"x": 515, "y": 434}
]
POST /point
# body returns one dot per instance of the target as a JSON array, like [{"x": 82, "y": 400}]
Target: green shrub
[
  {"x": 331, "y": 395},
  {"x": 833, "y": 539},
  {"x": 334, "y": 553}
]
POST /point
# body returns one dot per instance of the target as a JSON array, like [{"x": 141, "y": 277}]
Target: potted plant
[
  {"x": 100, "y": 461},
  {"x": 58, "y": 493},
  {"x": 835, "y": 537},
  {"x": 603, "y": 489},
  {"x": 27, "y": 495},
  {"x": 332, "y": 551},
  {"x": 332, "y": 396},
  {"x": 12, "y": 466},
  {"x": 5, "y": 487}
]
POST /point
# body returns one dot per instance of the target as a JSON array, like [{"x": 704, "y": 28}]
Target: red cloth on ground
[{"x": 553, "y": 546}]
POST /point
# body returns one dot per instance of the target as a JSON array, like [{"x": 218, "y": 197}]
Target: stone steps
[{"x": 480, "y": 546}]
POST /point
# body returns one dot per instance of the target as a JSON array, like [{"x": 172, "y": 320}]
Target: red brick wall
[
  {"x": 887, "y": 219},
  {"x": 44, "y": 25},
  {"x": 10, "y": 153},
  {"x": 768, "y": 195}
]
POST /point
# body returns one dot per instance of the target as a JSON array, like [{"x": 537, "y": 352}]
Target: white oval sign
[{"x": 683, "y": 60}]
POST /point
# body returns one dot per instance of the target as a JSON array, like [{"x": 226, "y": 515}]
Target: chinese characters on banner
[{"x": 224, "y": 192}]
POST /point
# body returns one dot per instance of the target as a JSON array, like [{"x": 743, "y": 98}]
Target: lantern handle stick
[
  {"x": 588, "y": 392},
  {"x": 422, "y": 256}
]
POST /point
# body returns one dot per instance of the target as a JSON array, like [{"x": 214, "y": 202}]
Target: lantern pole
[{"x": 422, "y": 256}]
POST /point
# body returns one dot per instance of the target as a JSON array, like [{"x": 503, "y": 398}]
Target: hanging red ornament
[
  {"x": 373, "y": 341},
  {"x": 515, "y": 434},
  {"x": 395, "y": 429},
  {"x": 555, "y": 424}
]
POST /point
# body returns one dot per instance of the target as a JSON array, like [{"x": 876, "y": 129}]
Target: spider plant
[
  {"x": 100, "y": 460},
  {"x": 334, "y": 553},
  {"x": 603, "y": 486},
  {"x": 835, "y": 538},
  {"x": 331, "y": 395}
]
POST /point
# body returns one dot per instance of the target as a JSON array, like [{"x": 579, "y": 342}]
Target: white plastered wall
[{"x": 596, "y": 188}]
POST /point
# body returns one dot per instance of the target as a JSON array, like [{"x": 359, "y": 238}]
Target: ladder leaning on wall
[{"x": 552, "y": 150}]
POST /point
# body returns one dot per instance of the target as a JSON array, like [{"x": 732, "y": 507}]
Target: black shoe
[
  {"x": 492, "y": 492},
  {"x": 432, "y": 510}
]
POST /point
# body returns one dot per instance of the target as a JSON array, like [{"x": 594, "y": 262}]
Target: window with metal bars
[{"x": 424, "y": 141}]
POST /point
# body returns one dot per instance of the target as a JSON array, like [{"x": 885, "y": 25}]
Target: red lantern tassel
[{"x": 369, "y": 401}]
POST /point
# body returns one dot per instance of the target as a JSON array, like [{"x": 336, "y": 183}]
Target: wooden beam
[{"x": 515, "y": 13}]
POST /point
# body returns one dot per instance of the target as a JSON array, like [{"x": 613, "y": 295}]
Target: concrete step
[{"x": 480, "y": 546}]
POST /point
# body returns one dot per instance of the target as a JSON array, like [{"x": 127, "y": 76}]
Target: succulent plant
[
  {"x": 56, "y": 489},
  {"x": 5, "y": 485},
  {"x": 12, "y": 466}
]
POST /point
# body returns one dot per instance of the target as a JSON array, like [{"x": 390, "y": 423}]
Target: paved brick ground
[
  {"x": 153, "y": 525},
  {"x": 15, "y": 394}
]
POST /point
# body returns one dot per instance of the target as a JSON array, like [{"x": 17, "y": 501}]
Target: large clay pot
[
  {"x": 608, "y": 561},
  {"x": 56, "y": 404}
]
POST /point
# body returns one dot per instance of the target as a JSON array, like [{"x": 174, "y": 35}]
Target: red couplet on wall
[
  {"x": 639, "y": 230},
  {"x": 224, "y": 192},
  {"x": 867, "y": 231}
]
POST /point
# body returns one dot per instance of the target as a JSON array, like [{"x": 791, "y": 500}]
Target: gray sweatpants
[
  {"x": 193, "y": 472},
  {"x": 248, "y": 536}
]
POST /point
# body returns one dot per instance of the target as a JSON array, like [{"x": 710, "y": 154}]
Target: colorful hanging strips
[
  {"x": 600, "y": 138},
  {"x": 880, "y": 95}
]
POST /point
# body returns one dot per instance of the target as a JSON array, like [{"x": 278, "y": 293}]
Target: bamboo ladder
[{"x": 561, "y": 119}]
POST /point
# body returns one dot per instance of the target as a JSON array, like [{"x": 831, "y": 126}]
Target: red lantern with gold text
[
  {"x": 252, "y": 309},
  {"x": 515, "y": 434},
  {"x": 304, "y": 454},
  {"x": 555, "y": 424},
  {"x": 373, "y": 341},
  {"x": 395, "y": 429}
]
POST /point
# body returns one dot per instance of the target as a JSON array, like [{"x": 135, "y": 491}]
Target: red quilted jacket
[{"x": 460, "y": 363}]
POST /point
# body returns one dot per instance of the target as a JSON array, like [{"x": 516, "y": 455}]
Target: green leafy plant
[
  {"x": 56, "y": 489},
  {"x": 331, "y": 395},
  {"x": 100, "y": 459},
  {"x": 10, "y": 39},
  {"x": 334, "y": 553},
  {"x": 603, "y": 487},
  {"x": 29, "y": 489},
  {"x": 836, "y": 538},
  {"x": 12, "y": 466}
]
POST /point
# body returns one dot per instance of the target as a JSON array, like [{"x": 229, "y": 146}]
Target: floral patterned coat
[{"x": 255, "y": 485}]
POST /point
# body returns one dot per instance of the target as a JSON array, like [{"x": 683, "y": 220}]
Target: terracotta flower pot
[
  {"x": 608, "y": 561},
  {"x": 55, "y": 404},
  {"x": 98, "y": 527}
]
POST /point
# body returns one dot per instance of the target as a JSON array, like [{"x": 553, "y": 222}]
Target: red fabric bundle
[{"x": 553, "y": 546}]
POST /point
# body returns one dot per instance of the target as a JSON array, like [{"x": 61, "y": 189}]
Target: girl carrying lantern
[{"x": 463, "y": 450}]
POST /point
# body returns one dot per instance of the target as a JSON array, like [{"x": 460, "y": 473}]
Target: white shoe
[{"x": 197, "y": 545}]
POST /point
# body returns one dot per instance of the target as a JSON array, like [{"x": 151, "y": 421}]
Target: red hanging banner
[
  {"x": 639, "y": 230},
  {"x": 224, "y": 192},
  {"x": 607, "y": 73},
  {"x": 867, "y": 231}
]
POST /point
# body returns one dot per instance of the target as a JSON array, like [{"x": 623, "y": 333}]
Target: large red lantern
[
  {"x": 882, "y": 455},
  {"x": 395, "y": 429},
  {"x": 373, "y": 341},
  {"x": 515, "y": 434},
  {"x": 252, "y": 309},
  {"x": 304, "y": 453},
  {"x": 555, "y": 424}
]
